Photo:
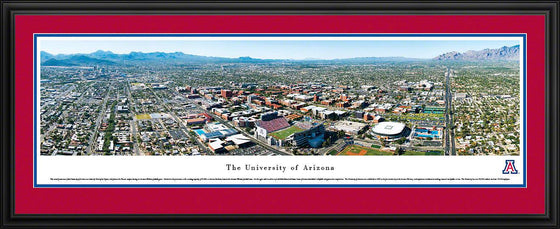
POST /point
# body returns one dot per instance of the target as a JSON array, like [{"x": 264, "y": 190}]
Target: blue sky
[{"x": 277, "y": 49}]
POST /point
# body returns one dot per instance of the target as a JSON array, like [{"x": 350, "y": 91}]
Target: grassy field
[
  {"x": 143, "y": 116},
  {"x": 417, "y": 116},
  {"x": 332, "y": 152},
  {"x": 410, "y": 153},
  {"x": 362, "y": 150},
  {"x": 283, "y": 134}
]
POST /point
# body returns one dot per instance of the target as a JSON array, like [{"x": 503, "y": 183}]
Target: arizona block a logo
[{"x": 510, "y": 167}]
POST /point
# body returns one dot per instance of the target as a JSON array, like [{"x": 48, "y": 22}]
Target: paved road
[
  {"x": 133, "y": 127},
  {"x": 93, "y": 139},
  {"x": 449, "y": 130},
  {"x": 179, "y": 121}
]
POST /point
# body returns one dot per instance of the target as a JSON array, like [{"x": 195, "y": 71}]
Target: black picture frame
[{"x": 12, "y": 8}]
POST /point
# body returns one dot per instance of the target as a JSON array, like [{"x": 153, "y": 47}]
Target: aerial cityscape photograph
[{"x": 255, "y": 96}]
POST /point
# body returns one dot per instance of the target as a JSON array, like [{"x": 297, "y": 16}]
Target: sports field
[
  {"x": 283, "y": 134},
  {"x": 143, "y": 116},
  {"x": 356, "y": 150},
  {"x": 422, "y": 153}
]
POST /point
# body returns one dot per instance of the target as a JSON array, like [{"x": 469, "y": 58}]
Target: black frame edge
[
  {"x": 552, "y": 161},
  {"x": 6, "y": 117}
]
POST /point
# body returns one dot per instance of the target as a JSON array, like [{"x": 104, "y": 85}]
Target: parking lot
[
  {"x": 177, "y": 134},
  {"x": 254, "y": 150}
]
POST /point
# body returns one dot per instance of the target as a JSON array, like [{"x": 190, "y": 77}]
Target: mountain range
[
  {"x": 503, "y": 53},
  {"x": 109, "y": 58}
]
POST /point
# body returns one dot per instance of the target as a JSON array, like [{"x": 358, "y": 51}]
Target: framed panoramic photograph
[{"x": 199, "y": 114}]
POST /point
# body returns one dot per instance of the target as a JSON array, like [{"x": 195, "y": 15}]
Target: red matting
[{"x": 530, "y": 200}]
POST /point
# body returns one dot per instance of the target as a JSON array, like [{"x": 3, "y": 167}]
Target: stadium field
[{"x": 283, "y": 134}]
